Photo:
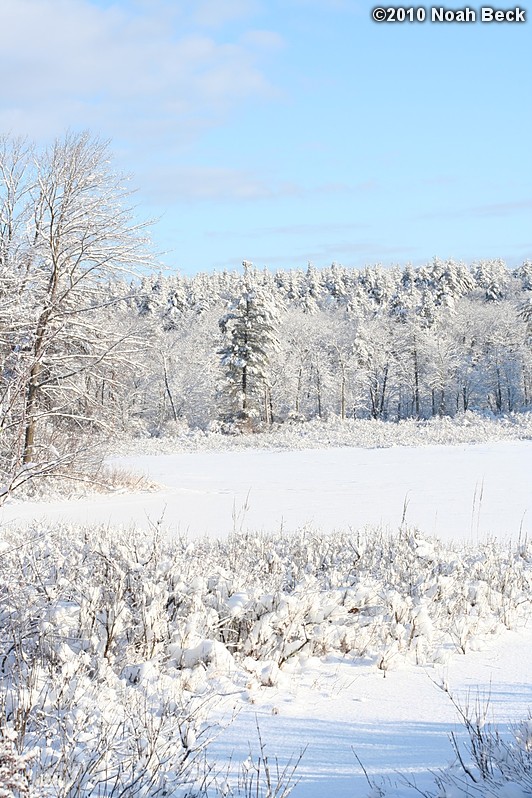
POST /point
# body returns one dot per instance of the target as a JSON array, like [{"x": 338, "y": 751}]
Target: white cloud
[
  {"x": 122, "y": 68},
  {"x": 168, "y": 183},
  {"x": 263, "y": 39}
]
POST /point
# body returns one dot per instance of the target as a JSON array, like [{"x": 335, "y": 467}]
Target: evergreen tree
[{"x": 249, "y": 328}]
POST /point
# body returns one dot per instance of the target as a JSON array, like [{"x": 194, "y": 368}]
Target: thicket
[{"x": 115, "y": 646}]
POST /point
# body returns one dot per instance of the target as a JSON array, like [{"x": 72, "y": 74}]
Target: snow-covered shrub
[
  {"x": 14, "y": 782},
  {"x": 85, "y": 685},
  {"x": 113, "y": 641},
  {"x": 465, "y": 428},
  {"x": 121, "y": 598}
]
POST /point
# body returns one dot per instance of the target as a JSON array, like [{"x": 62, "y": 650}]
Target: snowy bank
[{"x": 368, "y": 434}]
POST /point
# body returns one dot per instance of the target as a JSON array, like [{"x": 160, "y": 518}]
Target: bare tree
[{"x": 68, "y": 236}]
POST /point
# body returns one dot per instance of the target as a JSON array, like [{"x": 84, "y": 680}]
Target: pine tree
[{"x": 249, "y": 328}]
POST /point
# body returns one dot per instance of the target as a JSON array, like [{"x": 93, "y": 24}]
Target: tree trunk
[
  {"x": 498, "y": 391},
  {"x": 244, "y": 390},
  {"x": 383, "y": 393},
  {"x": 298, "y": 390},
  {"x": 169, "y": 392},
  {"x": 31, "y": 406},
  {"x": 416, "y": 383},
  {"x": 33, "y": 383}
]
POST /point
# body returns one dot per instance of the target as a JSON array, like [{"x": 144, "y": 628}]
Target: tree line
[{"x": 245, "y": 350}]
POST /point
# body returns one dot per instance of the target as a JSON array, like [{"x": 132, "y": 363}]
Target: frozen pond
[{"x": 463, "y": 491}]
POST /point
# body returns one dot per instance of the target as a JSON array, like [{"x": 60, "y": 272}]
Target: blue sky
[{"x": 288, "y": 131}]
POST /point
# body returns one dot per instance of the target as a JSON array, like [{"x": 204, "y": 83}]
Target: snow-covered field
[
  {"x": 396, "y": 718},
  {"x": 454, "y": 492}
]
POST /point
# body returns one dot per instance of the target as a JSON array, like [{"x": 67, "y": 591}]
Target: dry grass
[
  {"x": 111, "y": 479},
  {"x": 78, "y": 481}
]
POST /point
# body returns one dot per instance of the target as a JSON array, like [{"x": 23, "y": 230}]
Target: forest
[
  {"x": 293, "y": 345},
  {"x": 96, "y": 338}
]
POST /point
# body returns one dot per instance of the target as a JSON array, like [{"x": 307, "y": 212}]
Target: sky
[{"x": 288, "y": 131}]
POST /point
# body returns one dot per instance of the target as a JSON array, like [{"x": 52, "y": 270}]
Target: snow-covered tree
[
  {"x": 493, "y": 278},
  {"x": 250, "y": 331},
  {"x": 67, "y": 235}
]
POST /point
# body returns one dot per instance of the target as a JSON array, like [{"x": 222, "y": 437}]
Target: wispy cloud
[
  {"x": 291, "y": 230},
  {"x": 333, "y": 5},
  {"x": 211, "y": 183},
  {"x": 171, "y": 183},
  {"x": 502, "y": 208},
  {"x": 493, "y": 209},
  {"x": 150, "y": 66}
]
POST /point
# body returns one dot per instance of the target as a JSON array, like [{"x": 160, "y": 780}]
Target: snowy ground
[
  {"x": 464, "y": 492},
  {"x": 395, "y": 724},
  {"x": 399, "y": 725}
]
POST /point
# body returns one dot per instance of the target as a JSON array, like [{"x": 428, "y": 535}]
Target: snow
[
  {"x": 397, "y": 721},
  {"x": 396, "y": 725},
  {"x": 453, "y": 492}
]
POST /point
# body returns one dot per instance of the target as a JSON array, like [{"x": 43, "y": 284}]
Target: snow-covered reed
[
  {"x": 366, "y": 433},
  {"x": 113, "y": 642}
]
